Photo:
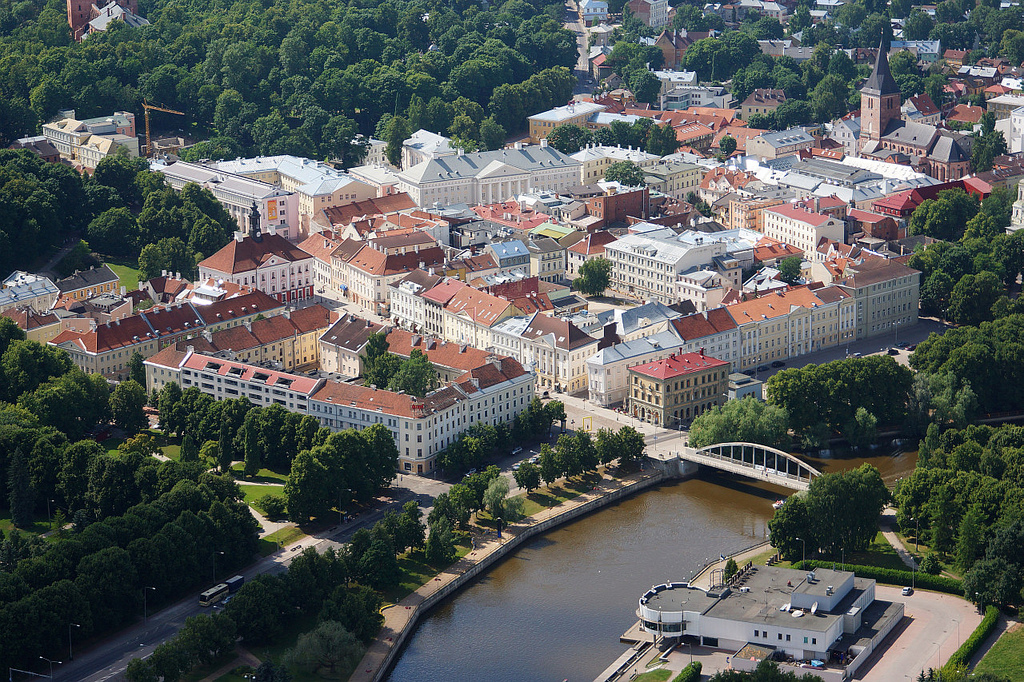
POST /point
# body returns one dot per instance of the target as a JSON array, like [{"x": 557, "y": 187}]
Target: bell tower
[
  {"x": 879, "y": 99},
  {"x": 254, "y": 223}
]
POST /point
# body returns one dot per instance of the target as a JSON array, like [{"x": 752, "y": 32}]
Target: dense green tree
[
  {"x": 594, "y": 276},
  {"x": 126, "y": 406},
  {"x": 746, "y": 420},
  {"x": 114, "y": 232},
  {"x": 569, "y": 138},
  {"x": 527, "y": 477},
  {"x": 327, "y": 649},
  {"x": 791, "y": 530},
  {"x": 21, "y": 496},
  {"x": 790, "y": 269},
  {"x": 861, "y": 430},
  {"x": 416, "y": 376},
  {"x": 625, "y": 172},
  {"x": 440, "y": 548},
  {"x": 258, "y": 609}
]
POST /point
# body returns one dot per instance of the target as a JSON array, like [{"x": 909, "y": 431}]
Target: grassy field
[
  {"x": 552, "y": 496},
  {"x": 127, "y": 277},
  {"x": 285, "y": 536},
  {"x": 169, "y": 446},
  {"x": 416, "y": 572},
  {"x": 879, "y": 553},
  {"x": 38, "y": 527},
  {"x": 1006, "y": 658},
  {"x": 252, "y": 493},
  {"x": 654, "y": 676},
  {"x": 262, "y": 476}
]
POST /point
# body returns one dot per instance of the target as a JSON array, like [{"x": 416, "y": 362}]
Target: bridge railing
[{"x": 802, "y": 468}]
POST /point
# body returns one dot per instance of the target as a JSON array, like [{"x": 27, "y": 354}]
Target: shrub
[
  {"x": 730, "y": 568},
  {"x": 930, "y": 565},
  {"x": 690, "y": 673},
  {"x": 962, "y": 656},
  {"x": 890, "y": 576},
  {"x": 272, "y": 505}
]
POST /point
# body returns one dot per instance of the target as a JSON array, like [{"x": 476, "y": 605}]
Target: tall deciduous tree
[
  {"x": 126, "y": 406},
  {"x": 20, "y": 494},
  {"x": 594, "y": 276}
]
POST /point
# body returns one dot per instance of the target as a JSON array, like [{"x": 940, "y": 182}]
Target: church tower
[{"x": 879, "y": 99}]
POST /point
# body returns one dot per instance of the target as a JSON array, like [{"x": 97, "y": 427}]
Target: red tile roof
[
  {"x": 448, "y": 355},
  {"x": 677, "y": 365},
  {"x": 248, "y": 254}
]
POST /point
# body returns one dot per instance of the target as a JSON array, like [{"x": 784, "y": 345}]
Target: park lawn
[
  {"x": 285, "y": 536},
  {"x": 127, "y": 276},
  {"x": 546, "y": 497},
  {"x": 1006, "y": 657},
  {"x": 252, "y": 493},
  {"x": 661, "y": 675},
  {"x": 37, "y": 527},
  {"x": 262, "y": 476},
  {"x": 416, "y": 572},
  {"x": 879, "y": 553},
  {"x": 169, "y": 446}
]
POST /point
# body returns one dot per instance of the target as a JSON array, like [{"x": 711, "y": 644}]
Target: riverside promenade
[{"x": 400, "y": 620}]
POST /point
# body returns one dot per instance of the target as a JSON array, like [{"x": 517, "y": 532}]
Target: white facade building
[
  {"x": 489, "y": 177},
  {"x": 802, "y": 228}
]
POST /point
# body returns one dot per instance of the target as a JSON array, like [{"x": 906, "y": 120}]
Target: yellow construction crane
[{"x": 147, "y": 107}]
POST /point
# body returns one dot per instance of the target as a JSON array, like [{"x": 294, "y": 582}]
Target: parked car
[
  {"x": 903, "y": 344},
  {"x": 515, "y": 467},
  {"x": 894, "y": 351},
  {"x": 778, "y": 363},
  {"x": 516, "y": 451},
  {"x": 749, "y": 372},
  {"x": 907, "y": 591},
  {"x": 763, "y": 368},
  {"x": 912, "y": 347}
]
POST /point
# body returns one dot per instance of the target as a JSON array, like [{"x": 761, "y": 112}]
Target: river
[{"x": 554, "y": 610}]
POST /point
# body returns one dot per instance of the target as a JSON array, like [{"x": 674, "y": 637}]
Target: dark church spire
[
  {"x": 254, "y": 222},
  {"x": 881, "y": 81}
]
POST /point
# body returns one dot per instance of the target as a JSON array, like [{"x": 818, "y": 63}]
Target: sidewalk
[
  {"x": 400, "y": 616},
  {"x": 887, "y": 523}
]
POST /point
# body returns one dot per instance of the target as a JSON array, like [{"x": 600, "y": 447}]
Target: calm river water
[{"x": 555, "y": 609}]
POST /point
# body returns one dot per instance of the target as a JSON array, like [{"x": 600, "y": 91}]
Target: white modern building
[{"x": 767, "y": 610}]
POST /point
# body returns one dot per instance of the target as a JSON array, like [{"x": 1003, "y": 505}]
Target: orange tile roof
[
  {"x": 775, "y": 304},
  {"x": 677, "y": 365},
  {"x": 248, "y": 254},
  {"x": 480, "y": 307},
  {"x": 445, "y": 354}
]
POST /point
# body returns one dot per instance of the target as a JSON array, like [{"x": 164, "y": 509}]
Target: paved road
[
  {"x": 108, "y": 659},
  {"x": 938, "y": 625}
]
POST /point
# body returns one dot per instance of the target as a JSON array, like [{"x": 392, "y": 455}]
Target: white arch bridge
[{"x": 754, "y": 461}]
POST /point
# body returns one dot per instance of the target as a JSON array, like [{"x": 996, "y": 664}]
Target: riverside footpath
[{"x": 400, "y": 620}]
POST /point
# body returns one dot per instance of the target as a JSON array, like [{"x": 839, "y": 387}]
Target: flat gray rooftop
[{"x": 682, "y": 598}]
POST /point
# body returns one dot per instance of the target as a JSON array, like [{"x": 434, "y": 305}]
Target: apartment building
[
  {"x": 595, "y": 159},
  {"x": 555, "y": 349},
  {"x": 85, "y": 284},
  {"x": 547, "y": 259},
  {"x": 85, "y": 143},
  {"x": 674, "y": 390},
  {"x": 469, "y": 315},
  {"x": 40, "y": 327},
  {"x": 886, "y": 294},
  {"x": 607, "y": 369},
  {"x": 492, "y": 393},
  {"x": 791, "y": 323},
  {"x": 489, "y": 177},
  {"x": 373, "y": 265},
  {"x": 21, "y": 289},
  {"x": 342, "y": 347},
  {"x": 802, "y": 227},
  {"x": 574, "y": 113},
  {"x": 674, "y": 178},
  {"x": 406, "y": 298},
  {"x": 106, "y": 348},
  {"x": 288, "y": 340},
  {"x": 590, "y": 247}
]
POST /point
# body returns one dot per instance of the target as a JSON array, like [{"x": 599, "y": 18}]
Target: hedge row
[
  {"x": 962, "y": 656},
  {"x": 690, "y": 673},
  {"x": 891, "y": 576}
]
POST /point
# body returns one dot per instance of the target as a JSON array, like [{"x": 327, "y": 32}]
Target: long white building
[{"x": 489, "y": 177}]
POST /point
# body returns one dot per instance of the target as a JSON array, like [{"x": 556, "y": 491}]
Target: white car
[{"x": 907, "y": 591}]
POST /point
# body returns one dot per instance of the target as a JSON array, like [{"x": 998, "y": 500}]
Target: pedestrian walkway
[
  {"x": 887, "y": 524},
  {"x": 403, "y": 615},
  {"x": 245, "y": 657}
]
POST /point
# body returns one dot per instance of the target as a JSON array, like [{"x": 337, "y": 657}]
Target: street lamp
[
  {"x": 803, "y": 547},
  {"x": 44, "y": 658},
  {"x": 215, "y": 564},
  {"x": 341, "y": 515},
  {"x": 145, "y": 604},
  {"x": 71, "y": 655}
]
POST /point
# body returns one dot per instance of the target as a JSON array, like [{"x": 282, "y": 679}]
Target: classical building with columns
[{"x": 489, "y": 177}]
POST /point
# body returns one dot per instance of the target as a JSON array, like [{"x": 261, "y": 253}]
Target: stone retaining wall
[{"x": 523, "y": 534}]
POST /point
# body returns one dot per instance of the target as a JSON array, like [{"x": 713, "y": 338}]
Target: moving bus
[
  {"x": 234, "y": 582},
  {"x": 213, "y": 595}
]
